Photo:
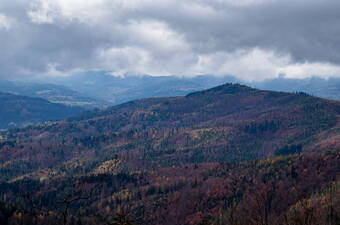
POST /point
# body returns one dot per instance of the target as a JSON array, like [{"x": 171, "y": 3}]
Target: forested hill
[
  {"x": 228, "y": 155},
  {"x": 17, "y": 110},
  {"x": 229, "y": 123},
  {"x": 50, "y": 92}
]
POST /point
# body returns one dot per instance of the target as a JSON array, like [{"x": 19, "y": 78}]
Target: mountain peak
[{"x": 228, "y": 88}]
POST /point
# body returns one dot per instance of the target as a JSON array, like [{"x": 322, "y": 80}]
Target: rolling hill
[
  {"x": 229, "y": 123},
  {"x": 209, "y": 157},
  {"x": 18, "y": 111},
  {"x": 51, "y": 92}
]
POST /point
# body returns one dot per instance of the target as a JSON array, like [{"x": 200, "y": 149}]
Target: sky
[{"x": 249, "y": 39}]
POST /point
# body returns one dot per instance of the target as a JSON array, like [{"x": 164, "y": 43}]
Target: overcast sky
[{"x": 251, "y": 39}]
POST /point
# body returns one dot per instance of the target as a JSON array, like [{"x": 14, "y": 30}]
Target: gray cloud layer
[{"x": 252, "y": 39}]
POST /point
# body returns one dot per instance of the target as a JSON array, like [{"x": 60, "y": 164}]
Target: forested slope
[
  {"x": 230, "y": 155},
  {"x": 229, "y": 123},
  {"x": 17, "y": 110}
]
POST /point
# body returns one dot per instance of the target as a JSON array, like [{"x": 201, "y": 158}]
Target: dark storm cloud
[
  {"x": 309, "y": 30},
  {"x": 250, "y": 39}
]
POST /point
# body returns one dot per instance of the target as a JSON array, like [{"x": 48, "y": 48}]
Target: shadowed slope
[{"x": 16, "y": 110}]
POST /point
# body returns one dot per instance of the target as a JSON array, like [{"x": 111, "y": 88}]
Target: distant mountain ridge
[
  {"x": 100, "y": 88},
  {"x": 325, "y": 88},
  {"x": 51, "y": 92},
  {"x": 18, "y": 111},
  {"x": 116, "y": 90}
]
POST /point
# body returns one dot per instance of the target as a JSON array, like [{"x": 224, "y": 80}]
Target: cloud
[
  {"x": 51, "y": 11},
  {"x": 251, "y": 39},
  {"x": 5, "y": 22}
]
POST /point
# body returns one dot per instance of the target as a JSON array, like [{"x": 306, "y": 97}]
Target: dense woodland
[{"x": 228, "y": 155}]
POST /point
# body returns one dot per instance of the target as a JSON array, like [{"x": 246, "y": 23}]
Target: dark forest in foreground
[{"x": 227, "y": 155}]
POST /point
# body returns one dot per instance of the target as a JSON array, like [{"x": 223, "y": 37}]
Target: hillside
[
  {"x": 51, "y": 92},
  {"x": 18, "y": 111},
  {"x": 229, "y": 123},
  {"x": 291, "y": 190},
  {"x": 210, "y": 157}
]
